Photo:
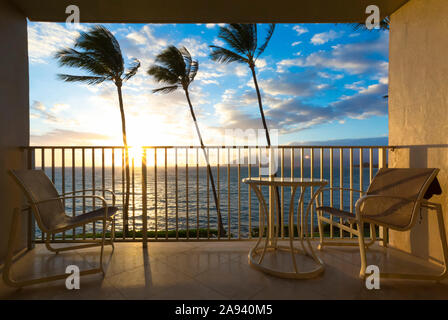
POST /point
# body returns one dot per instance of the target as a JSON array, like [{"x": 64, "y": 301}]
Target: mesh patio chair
[
  {"x": 393, "y": 200},
  {"x": 48, "y": 209}
]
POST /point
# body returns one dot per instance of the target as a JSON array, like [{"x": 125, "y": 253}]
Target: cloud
[
  {"x": 48, "y": 115},
  {"x": 293, "y": 84},
  {"x": 299, "y": 29},
  {"x": 324, "y": 37},
  {"x": 367, "y": 57},
  {"x": 367, "y": 102},
  {"x": 218, "y": 42},
  {"x": 355, "y": 86},
  {"x": 291, "y": 114},
  {"x": 69, "y": 137},
  {"x": 58, "y": 107},
  {"x": 45, "y": 38},
  {"x": 196, "y": 47},
  {"x": 212, "y": 25},
  {"x": 142, "y": 44},
  {"x": 331, "y": 76},
  {"x": 296, "y": 43}
]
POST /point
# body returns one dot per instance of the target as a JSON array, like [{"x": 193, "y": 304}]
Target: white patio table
[{"x": 271, "y": 239}]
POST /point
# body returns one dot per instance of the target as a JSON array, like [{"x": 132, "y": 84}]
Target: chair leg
[
  {"x": 9, "y": 257},
  {"x": 112, "y": 233},
  {"x": 102, "y": 245},
  {"x": 342, "y": 243},
  {"x": 321, "y": 236},
  {"x": 362, "y": 249},
  {"x": 443, "y": 240}
]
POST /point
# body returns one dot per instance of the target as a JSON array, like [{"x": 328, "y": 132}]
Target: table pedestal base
[{"x": 256, "y": 253}]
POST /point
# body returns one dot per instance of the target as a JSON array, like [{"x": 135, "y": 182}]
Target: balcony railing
[{"x": 170, "y": 193}]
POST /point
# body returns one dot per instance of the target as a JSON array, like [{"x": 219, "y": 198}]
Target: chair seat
[
  {"x": 84, "y": 218},
  {"x": 350, "y": 217}
]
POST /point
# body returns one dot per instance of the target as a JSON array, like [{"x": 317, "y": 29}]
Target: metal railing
[{"x": 170, "y": 195}]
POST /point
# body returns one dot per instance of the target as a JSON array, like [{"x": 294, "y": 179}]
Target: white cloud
[
  {"x": 291, "y": 84},
  {"x": 299, "y": 29},
  {"x": 296, "y": 43},
  {"x": 354, "y": 58},
  {"x": 324, "y": 37},
  {"x": 212, "y": 25},
  {"x": 58, "y": 107},
  {"x": 196, "y": 47},
  {"x": 45, "y": 38},
  {"x": 218, "y": 42}
]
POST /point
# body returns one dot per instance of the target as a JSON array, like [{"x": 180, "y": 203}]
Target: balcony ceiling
[{"x": 206, "y": 11}]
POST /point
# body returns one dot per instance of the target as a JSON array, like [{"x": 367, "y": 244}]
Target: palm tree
[
  {"x": 242, "y": 39},
  {"x": 98, "y": 53},
  {"x": 177, "y": 69}
]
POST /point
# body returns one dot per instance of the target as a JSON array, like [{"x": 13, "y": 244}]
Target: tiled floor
[{"x": 215, "y": 270}]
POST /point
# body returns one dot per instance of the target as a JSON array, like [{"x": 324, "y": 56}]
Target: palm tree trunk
[
  {"x": 221, "y": 230},
  {"x": 260, "y": 105},
  {"x": 126, "y": 157},
  {"x": 268, "y": 139}
]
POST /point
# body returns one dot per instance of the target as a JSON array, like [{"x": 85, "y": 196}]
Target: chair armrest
[
  {"x": 79, "y": 196},
  {"x": 93, "y": 190}
]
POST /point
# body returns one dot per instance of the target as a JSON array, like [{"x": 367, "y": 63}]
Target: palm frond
[
  {"x": 167, "y": 89},
  {"x": 232, "y": 37},
  {"x": 187, "y": 59},
  {"x": 162, "y": 74},
  {"x": 102, "y": 44},
  {"x": 224, "y": 55},
  {"x": 248, "y": 35},
  {"x": 193, "y": 70},
  {"x": 72, "y": 58},
  {"x": 132, "y": 69},
  {"x": 172, "y": 59},
  {"x": 84, "y": 79},
  {"x": 266, "y": 41},
  {"x": 98, "y": 53}
]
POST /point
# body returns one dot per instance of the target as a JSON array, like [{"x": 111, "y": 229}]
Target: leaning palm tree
[
  {"x": 242, "y": 41},
  {"x": 243, "y": 48},
  {"x": 98, "y": 53},
  {"x": 176, "y": 68}
]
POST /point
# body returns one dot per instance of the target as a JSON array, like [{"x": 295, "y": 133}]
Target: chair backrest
[
  {"x": 38, "y": 187},
  {"x": 410, "y": 183}
]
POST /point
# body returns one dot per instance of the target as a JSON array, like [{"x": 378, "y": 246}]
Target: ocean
[{"x": 195, "y": 206}]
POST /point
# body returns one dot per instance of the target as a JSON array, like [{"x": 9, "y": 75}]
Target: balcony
[{"x": 186, "y": 257}]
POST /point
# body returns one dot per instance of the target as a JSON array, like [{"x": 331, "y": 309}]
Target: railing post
[
  {"x": 144, "y": 201},
  {"x": 31, "y": 222},
  {"x": 382, "y": 163},
  {"x": 272, "y": 197}
]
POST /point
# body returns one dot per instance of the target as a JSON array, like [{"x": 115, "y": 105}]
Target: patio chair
[
  {"x": 393, "y": 200},
  {"x": 48, "y": 209}
]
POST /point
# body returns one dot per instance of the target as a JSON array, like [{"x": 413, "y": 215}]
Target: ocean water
[{"x": 194, "y": 206}]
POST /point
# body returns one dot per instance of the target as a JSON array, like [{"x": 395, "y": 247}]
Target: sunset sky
[{"x": 319, "y": 82}]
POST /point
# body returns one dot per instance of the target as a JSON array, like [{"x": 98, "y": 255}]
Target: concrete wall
[
  {"x": 14, "y": 113},
  {"x": 418, "y": 107}
]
